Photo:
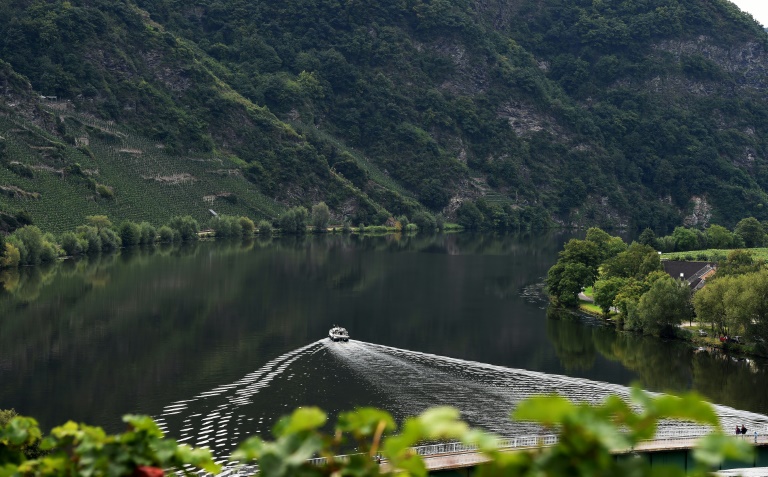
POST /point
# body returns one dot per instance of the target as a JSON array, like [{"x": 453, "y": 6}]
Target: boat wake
[{"x": 339, "y": 376}]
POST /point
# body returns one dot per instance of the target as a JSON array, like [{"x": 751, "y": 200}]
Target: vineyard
[{"x": 106, "y": 170}]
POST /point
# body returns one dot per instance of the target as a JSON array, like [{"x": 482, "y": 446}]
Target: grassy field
[{"x": 711, "y": 255}]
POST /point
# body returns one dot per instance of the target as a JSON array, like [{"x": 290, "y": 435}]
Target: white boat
[{"x": 337, "y": 333}]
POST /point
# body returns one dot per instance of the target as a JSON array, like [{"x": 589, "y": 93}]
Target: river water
[{"x": 217, "y": 340}]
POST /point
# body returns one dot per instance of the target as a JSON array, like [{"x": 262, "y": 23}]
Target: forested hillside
[{"x": 501, "y": 114}]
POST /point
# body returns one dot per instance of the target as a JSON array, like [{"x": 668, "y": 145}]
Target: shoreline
[{"x": 699, "y": 343}]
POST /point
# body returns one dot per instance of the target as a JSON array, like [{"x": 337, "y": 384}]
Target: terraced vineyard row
[{"x": 145, "y": 182}]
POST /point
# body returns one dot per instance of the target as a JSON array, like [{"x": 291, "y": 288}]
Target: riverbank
[{"x": 689, "y": 332}]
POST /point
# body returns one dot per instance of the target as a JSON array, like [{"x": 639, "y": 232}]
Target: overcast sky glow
[{"x": 758, "y": 9}]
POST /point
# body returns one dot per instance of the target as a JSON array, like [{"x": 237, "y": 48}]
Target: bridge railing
[{"x": 512, "y": 443}]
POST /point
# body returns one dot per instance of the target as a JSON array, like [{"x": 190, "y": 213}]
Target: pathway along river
[{"x": 219, "y": 340}]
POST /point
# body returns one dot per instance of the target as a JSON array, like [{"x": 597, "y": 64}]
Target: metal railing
[{"x": 523, "y": 442}]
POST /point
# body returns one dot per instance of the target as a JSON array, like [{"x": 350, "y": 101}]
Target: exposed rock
[{"x": 701, "y": 213}]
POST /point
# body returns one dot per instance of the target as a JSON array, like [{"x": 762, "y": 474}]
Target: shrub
[
  {"x": 21, "y": 170},
  {"x": 411, "y": 228},
  {"x": 105, "y": 192},
  {"x": 12, "y": 257},
  {"x": 265, "y": 227}
]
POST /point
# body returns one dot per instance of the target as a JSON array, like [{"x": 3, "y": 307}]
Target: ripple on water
[{"x": 340, "y": 376}]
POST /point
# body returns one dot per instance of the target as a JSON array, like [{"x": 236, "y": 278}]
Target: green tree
[
  {"x": 294, "y": 220},
  {"x": 35, "y": 248},
  {"x": 606, "y": 290},
  {"x": 72, "y": 244},
  {"x": 636, "y": 261},
  {"x": 321, "y": 216},
  {"x": 110, "y": 240},
  {"x": 247, "y": 226},
  {"x": 719, "y": 237},
  {"x": 664, "y": 306},
  {"x": 148, "y": 234},
  {"x": 647, "y": 237},
  {"x": 98, "y": 221},
  {"x": 712, "y": 303},
  {"x": 186, "y": 226},
  {"x": 608, "y": 245},
  {"x": 565, "y": 280},
  {"x": 469, "y": 216},
  {"x": 165, "y": 234},
  {"x": 226, "y": 226},
  {"x": 130, "y": 234},
  {"x": 685, "y": 239},
  {"x": 751, "y": 231},
  {"x": 265, "y": 227},
  {"x": 425, "y": 221},
  {"x": 739, "y": 262},
  {"x": 90, "y": 236}
]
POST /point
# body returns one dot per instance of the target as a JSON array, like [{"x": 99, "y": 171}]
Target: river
[{"x": 217, "y": 340}]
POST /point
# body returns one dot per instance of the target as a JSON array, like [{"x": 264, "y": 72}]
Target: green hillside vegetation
[{"x": 503, "y": 115}]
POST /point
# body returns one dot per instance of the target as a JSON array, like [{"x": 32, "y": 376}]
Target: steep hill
[{"x": 644, "y": 113}]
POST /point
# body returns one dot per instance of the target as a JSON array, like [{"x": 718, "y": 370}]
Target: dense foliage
[
  {"x": 588, "y": 435},
  {"x": 504, "y": 115},
  {"x": 629, "y": 282}
]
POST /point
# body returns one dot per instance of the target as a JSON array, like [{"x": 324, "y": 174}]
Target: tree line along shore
[
  {"x": 29, "y": 245},
  {"x": 630, "y": 287}
]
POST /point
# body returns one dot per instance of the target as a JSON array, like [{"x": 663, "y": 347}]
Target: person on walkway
[
  {"x": 738, "y": 430},
  {"x": 755, "y": 437},
  {"x": 743, "y": 430}
]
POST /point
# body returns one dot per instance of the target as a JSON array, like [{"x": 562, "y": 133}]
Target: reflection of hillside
[{"x": 125, "y": 333}]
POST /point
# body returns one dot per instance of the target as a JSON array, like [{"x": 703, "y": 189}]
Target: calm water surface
[{"x": 218, "y": 340}]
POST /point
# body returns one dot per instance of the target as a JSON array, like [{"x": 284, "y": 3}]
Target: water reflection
[{"x": 138, "y": 331}]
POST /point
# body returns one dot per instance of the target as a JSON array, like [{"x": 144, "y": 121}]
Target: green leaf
[
  {"x": 143, "y": 424},
  {"x": 690, "y": 406},
  {"x": 715, "y": 448},
  {"x": 364, "y": 421},
  {"x": 249, "y": 450},
  {"x": 546, "y": 410},
  {"x": 442, "y": 423},
  {"x": 302, "y": 419}
]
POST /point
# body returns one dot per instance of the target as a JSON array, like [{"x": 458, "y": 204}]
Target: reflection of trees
[
  {"x": 740, "y": 384},
  {"x": 571, "y": 339},
  {"x": 661, "y": 365}
]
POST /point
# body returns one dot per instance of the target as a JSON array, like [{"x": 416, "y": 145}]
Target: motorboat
[{"x": 337, "y": 333}]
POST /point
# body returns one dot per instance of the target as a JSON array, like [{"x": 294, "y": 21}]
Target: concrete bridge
[{"x": 669, "y": 447}]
